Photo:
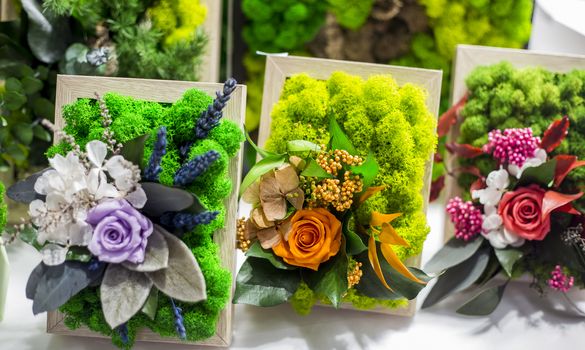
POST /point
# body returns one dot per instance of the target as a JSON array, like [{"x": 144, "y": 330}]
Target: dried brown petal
[
  {"x": 269, "y": 237},
  {"x": 259, "y": 219},
  {"x": 296, "y": 198},
  {"x": 287, "y": 178},
  {"x": 252, "y": 194},
  {"x": 251, "y": 230},
  {"x": 298, "y": 162},
  {"x": 272, "y": 201},
  {"x": 285, "y": 228}
]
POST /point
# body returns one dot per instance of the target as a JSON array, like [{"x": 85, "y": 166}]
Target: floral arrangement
[
  {"x": 521, "y": 220},
  {"x": 124, "y": 216},
  {"x": 303, "y": 227},
  {"x": 384, "y": 122}
]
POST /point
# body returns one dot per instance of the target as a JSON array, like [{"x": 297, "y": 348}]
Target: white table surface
[{"x": 518, "y": 323}]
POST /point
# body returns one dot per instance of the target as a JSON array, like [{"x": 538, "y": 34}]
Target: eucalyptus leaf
[
  {"x": 31, "y": 85},
  {"x": 161, "y": 199},
  {"x": 156, "y": 256},
  {"x": 458, "y": 278},
  {"x": 302, "y": 146},
  {"x": 24, "y": 133},
  {"x": 330, "y": 279},
  {"x": 368, "y": 170},
  {"x": 14, "y": 100},
  {"x": 41, "y": 134},
  {"x": 543, "y": 174},
  {"x": 483, "y": 303},
  {"x": 24, "y": 191},
  {"x": 182, "y": 279},
  {"x": 453, "y": 252},
  {"x": 339, "y": 139},
  {"x": 257, "y": 251},
  {"x": 261, "y": 168},
  {"x": 260, "y": 283},
  {"x": 508, "y": 258},
  {"x": 43, "y": 108},
  {"x": 58, "y": 284},
  {"x": 313, "y": 169},
  {"x": 133, "y": 150},
  {"x": 151, "y": 305},
  {"x": 123, "y": 293},
  {"x": 33, "y": 280},
  {"x": 29, "y": 236}
]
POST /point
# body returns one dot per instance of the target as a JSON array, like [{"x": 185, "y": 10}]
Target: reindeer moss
[
  {"x": 131, "y": 118},
  {"x": 501, "y": 96},
  {"x": 378, "y": 115}
]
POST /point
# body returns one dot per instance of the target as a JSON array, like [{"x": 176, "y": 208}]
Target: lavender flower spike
[
  {"x": 153, "y": 169},
  {"x": 179, "y": 325},
  {"x": 195, "y": 167},
  {"x": 209, "y": 119},
  {"x": 188, "y": 221}
]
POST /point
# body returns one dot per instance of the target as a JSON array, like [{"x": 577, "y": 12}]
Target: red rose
[{"x": 522, "y": 213}]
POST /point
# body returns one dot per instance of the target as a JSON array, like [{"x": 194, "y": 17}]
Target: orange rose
[{"x": 315, "y": 236}]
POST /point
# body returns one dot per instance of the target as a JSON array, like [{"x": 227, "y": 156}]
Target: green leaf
[
  {"x": 508, "y": 258},
  {"x": 313, "y": 169},
  {"x": 257, "y": 251},
  {"x": 483, "y": 303},
  {"x": 458, "y": 278},
  {"x": 262, "y": 152},
  {"x": 133, "y": 150},
  {"x": 78, "y": 254},
  {"x": 355, "y": 244},
  {"x": 41, "y": 134},
  {"x": 339, "y": 139},
  {"x": 13, "y": 84},
  {"x": 28, "y": 235},
  {"x": 543, "y": 174},
  {"x": 260, "y": 283},
  {"x": 368, "y": 170},
  {"x": 453, "y": 252},
  {"x": 330, "y": 279},
  {"x": 261, "y": 168},
  {"x": 43, "y": 108},
  {"x": 17, "y": 152},
  {"x": 24, "y": 133},
  {"x": 151, "y": 305},
  {"x": 13, "y": 100},
  {"x": 31, "y": 85},
  {"x": 302, "y": 146}
]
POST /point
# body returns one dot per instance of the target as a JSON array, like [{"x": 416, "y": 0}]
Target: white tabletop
[{"x": 518, "y": 323}]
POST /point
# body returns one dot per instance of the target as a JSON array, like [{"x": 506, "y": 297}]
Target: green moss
[
  {"x": 132, "y": 118},
  {"x": 303, "y": 299},
  {"x": 3, "y": 207},
  {"x": 362, "y": 302},
  {"x": 516, "y": 98}
]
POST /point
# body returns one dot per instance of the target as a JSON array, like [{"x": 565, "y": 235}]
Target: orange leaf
[
  {"x": 378, "y": 219},
  {"x": 395, "y": 262},
  {"x": 390, "y": 236},
  {"x": 555, "y": 133},
  {"x": 369, "y": 192},
  {"x": 553, "y": 200},
  {"x": 373, "y": 256}
]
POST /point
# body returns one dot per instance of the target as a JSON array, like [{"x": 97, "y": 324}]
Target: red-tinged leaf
[
  {"x": 449, "y": 118},
  {"x": 463, "y": 150},
  {"x": 436, "y": 187},
  {"x": 438, "y": 158},
  {"x": 565, "y": 164},
  {"x": 555, "y": 133},
  {"x": 568, "y": 208},
  {"x": 473, "y": 170},
  {"x": 477, "y": 184},
  {"x": 554, "y": 200}
]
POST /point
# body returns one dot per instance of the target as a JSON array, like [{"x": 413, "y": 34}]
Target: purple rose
[{"x": 120, "y": 232}]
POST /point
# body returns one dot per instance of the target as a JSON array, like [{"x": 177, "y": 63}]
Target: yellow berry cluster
[
  {"x": 333, "y": 161},
  {"x": 354, "y": 275},
  {"x": 335, "y": 192},
  {"x": 243, "y": 244}
]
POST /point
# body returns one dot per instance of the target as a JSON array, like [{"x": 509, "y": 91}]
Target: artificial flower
[
  {"x": 496, "y": 183},
  {"x": 120, "y": 232},
  {"x": 522, "y": 213},
  {"x": 315, "y": 236},
  {"x": 495, "y": 233},
  {"x": 538, "y": 159}
]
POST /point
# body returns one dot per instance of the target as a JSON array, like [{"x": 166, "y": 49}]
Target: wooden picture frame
[
  {"x": 209, "y": 69},
  {"x": 279, "y": 68},
  {"x": 7, "y": 11},
  {"x": 469, "y": 57},
  {"x": 70, "y": 88}
]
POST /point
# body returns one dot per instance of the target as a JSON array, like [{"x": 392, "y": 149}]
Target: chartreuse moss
[
  {"x": 501, "y": 96},
  {"x": 3, "y": 208},
  {"x": 379, "y": 116},
  {"x": 132, "y": 118},
  {"x": 177, "y": 19}
]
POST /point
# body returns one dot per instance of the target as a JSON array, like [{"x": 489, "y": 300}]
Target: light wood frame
[
  {"x": 71, "y": 88},
  {"x": 469, "y": 57},
  {"x": 7, "y": 11},
  {"x": 209, "y": 69},
  {"x": 279, "y": 68}
]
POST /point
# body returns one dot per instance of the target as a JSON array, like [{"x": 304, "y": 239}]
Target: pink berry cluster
[
  {"x": 466, "y": 218},
  {"x": 513, "y": 146},
  {"x": 559, "y": 280}
]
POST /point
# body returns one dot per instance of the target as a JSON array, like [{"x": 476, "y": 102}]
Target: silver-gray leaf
[
  {"x": 123, "y": 293},
  {"x": 182, "y": 279},
  {"x": 156, "y": 256}
]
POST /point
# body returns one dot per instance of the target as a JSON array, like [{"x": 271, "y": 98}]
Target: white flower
[
  {"x": 97, "y": 181},
  {"x": 538, "y": 159},
  {"x": 495, "y": 233},
  {"x": 53, "y": 254},
  {"x": 497, "y": 182},
  {"x": 67, "y": 177},
  {"x": 120, "y": 170}
]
